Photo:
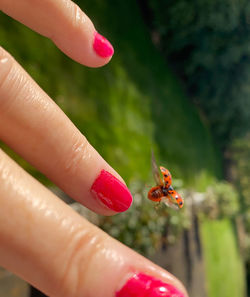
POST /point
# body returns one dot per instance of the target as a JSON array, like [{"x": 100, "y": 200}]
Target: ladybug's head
[{"x": 171, "y": 190}]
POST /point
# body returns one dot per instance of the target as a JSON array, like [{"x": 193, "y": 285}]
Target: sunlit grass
[{"x": 223, "y": 264}]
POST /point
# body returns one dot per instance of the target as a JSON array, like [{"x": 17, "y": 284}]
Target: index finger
[{"x": 66, "y": 25}]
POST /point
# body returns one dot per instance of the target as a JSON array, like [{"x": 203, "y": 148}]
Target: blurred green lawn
[
  {"x": 224, "y": 267},
  {"x": 127, "y": 108}
]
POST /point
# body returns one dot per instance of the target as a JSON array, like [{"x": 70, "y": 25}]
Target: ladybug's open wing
[
  {"x": 170, "y": 202},
  {"x": 155, "y": 171}
]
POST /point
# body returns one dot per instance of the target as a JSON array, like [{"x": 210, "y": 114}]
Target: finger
[
  {"x": 34, "y": 126},
  {"x": 66, "y": 25},
  {"x": 45, "y": 242}
]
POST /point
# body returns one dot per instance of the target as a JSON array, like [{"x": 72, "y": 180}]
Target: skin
[{"x": 42, "y": 239}]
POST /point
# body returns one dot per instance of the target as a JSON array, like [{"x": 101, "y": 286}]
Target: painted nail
[
  {"x": 102, "y": 46},
  {"x": 112, "y": 192},
  {"x": 142, "y": 285}
]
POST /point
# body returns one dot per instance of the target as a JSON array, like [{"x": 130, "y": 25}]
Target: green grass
[{"x": 224, "y": 266}]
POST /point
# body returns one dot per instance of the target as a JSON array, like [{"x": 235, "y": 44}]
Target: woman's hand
[{"x": 42, "y": 239}]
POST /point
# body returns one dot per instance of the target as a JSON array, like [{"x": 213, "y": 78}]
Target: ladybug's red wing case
[
  {"x": 166, "y": 176},
  {"x": 155, "y": 194},
  {"x": 176, "y": 197}
]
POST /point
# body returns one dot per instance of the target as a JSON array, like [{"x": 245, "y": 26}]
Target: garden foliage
[{"x": 208, "y": 44}]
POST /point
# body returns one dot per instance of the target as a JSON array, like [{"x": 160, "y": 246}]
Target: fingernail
[
  {"x": 112, "y": 192},
  {"x": 142, "y": 285},
  {"x": 102, "y": 46}
]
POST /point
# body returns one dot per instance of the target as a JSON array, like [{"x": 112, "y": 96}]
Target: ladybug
[{"x": 164, "y": 191}]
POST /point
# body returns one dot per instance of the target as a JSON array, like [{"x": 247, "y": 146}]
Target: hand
[{"x": 42, "y": 239}]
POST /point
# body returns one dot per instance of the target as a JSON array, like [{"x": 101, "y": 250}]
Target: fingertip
[
  {"x": 141, "y": 284},
  {"x": 86, "y": 46},
  {"x": 101, "y": 50},
  {"x": 102, "y": 46},
  {"x": 111, "y": 192},
  {"x": 81, "y": 41}
]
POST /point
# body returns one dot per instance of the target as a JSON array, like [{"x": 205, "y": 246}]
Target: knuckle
[
  {"x": 9, "y": 176},
  {"x": 77, "y": 152},
  {"x": 4, "y": 171},
  {"x": 11, "y": 80},
  {"x": 78, "y": 17},
  {"x": 6, "y": 62},
  {"x": 83, "y": 248}
]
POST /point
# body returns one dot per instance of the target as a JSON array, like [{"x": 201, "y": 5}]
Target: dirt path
[{"x": 184, "y": 259}]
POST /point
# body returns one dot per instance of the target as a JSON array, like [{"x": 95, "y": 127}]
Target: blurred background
[{"x": 179, "y": 83}]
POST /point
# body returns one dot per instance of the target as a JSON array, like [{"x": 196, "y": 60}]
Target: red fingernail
[
  {"x": 102, "y": 46},
  {"x": 112, "y": 192},
  {"x": 141, "y": 285}
]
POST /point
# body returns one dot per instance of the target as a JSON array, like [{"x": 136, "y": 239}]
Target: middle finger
[{"x": 34, "y": 126}]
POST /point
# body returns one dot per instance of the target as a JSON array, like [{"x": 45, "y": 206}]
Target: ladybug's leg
[{"x": 157, "y": 205}]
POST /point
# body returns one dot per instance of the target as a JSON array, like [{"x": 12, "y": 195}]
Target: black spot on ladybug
[{"x": 180, "y": 203}]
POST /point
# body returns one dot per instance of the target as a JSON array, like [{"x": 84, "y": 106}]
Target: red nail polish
[
  {"x": 141, "y": 285},
  {"x": 112, "y": 192},
  {"x": 102, "y": 46}
]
